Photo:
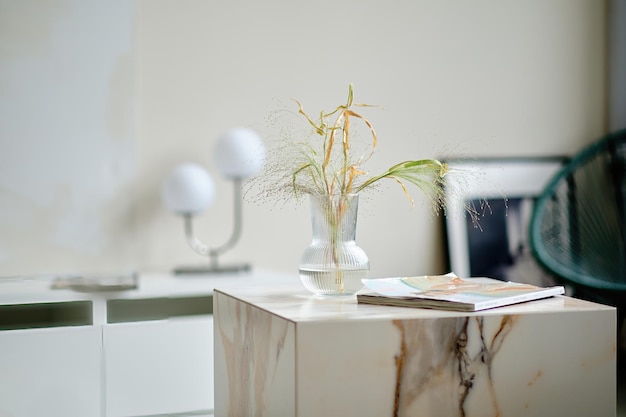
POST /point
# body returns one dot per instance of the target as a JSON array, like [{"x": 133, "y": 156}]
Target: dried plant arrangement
[{"x": 328, "y": 162}]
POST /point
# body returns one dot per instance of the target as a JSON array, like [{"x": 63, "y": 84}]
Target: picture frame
[{"x": 489, "y": 204}]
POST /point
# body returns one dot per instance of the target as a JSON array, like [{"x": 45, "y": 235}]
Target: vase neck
[{"x": 334, "y": 217}]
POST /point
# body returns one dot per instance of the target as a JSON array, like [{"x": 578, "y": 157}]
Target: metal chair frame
[{"x": 578, "y": 225}]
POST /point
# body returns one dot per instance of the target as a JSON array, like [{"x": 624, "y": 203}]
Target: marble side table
[{"x": 282, "y": 352}]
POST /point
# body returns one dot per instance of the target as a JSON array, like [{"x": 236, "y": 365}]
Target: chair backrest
[{"x": 578, "y": 226}]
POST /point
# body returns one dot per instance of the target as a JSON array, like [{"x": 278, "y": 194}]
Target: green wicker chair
[{"x": 578, "y": 226}]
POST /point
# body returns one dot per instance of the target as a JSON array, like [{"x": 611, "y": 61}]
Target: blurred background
[{"x": 99, "y": 101}]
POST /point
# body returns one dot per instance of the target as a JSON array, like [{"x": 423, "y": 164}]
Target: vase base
[
  {"x": 333, "y": 283},
  {"x": 335, "y": 296}
]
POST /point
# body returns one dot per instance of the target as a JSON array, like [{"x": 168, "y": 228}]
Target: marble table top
[{"x": 294, "y": 303}]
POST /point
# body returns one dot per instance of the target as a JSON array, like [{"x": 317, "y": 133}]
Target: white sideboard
[{"x": 141, "y": 352}]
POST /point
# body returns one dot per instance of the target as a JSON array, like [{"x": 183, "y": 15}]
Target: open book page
[{"x": 451, "y": 292}]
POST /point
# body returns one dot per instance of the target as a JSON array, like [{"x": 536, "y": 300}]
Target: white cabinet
[
  {"x": 159, "y": 367},
  {"x": 51, "y": 372},
  {"x": 142, "y": 352}
]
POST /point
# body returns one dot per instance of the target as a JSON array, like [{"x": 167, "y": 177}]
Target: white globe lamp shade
[
  {"x": 188, "y": 189},
  {"x": 239, "y": 153}
]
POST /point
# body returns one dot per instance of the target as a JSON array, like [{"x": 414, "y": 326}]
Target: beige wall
[{"x": 455, "y": 78}]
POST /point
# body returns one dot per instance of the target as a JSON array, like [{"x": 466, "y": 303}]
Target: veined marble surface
[
  {"x": 294, "y": 303},
  {"x": 282, "y": 352}
]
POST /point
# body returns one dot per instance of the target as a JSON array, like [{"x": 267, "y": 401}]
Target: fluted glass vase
[{"x": 333, "y": 264}]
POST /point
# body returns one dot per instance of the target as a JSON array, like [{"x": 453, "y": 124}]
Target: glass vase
[{"x": 333, "y": 264}]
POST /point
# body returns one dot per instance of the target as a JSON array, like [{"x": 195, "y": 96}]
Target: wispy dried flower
[{"x": 327, "y": 161}]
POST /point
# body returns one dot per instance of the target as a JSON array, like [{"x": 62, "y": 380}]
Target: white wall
[
  {"x": 455, "y": 78},
  {"x": 67, "y": 136},
  {"x": 617, "y": 64}
]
